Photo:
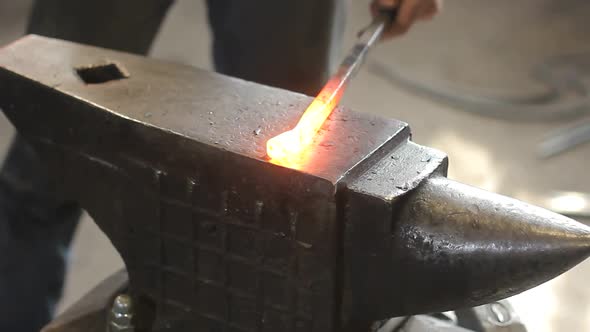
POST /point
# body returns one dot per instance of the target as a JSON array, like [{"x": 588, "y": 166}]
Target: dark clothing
[{"x": 288, "y": 44}]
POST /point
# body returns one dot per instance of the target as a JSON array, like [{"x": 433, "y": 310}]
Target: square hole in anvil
[{"x": 101, "y": 73}]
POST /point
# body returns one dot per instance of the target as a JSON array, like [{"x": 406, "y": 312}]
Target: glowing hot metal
[{"x": 287, "y": 147}]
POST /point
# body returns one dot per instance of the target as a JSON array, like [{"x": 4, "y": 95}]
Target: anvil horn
[{"x": 463, "y": 246}]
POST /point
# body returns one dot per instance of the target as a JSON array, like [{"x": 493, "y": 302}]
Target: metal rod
[
  {"x": 564, "y": 140},
  {"x": 367, "y": 38},
  {"x": 285, "y": 149}
]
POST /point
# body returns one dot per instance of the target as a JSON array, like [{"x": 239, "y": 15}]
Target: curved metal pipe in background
[{"x": 567, "y": 95}]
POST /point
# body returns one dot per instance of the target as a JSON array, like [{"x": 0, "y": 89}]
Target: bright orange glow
[{"x": 287, "y": 147}]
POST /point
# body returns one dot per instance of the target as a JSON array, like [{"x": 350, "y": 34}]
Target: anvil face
[{"x": 170, "y": 162}]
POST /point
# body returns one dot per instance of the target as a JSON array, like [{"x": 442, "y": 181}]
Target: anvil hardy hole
[{"x": 101, "y": 73}]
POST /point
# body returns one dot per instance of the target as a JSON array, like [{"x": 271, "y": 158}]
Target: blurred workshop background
[{"x": 501, "y": 86}]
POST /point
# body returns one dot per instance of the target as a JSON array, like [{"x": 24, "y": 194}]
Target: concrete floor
[{"x": 474, "y": 45}]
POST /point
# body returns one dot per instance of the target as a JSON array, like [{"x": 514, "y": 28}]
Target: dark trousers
[{"x": 288, "y": 44}]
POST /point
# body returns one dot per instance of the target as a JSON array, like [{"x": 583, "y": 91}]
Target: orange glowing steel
[
  {"x": 290, "y": 144},
  {"x": 286, "y": 148}
]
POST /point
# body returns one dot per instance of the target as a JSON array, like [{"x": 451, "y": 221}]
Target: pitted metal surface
[
  {"x": 170, "y": 164},
  {"x": 225, "y": 113},
  {"x": 483, "y": 241}
]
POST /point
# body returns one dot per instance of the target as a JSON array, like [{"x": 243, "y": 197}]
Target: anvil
[{"x": 170, "y": 162}]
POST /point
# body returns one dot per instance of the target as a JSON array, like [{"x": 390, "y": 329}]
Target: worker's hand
[{"x": 408, "y": 12}]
